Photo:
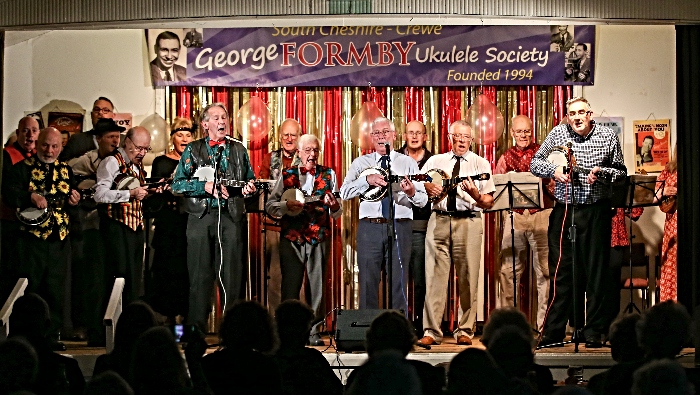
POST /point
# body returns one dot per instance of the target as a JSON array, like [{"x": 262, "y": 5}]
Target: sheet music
[{"x": 527, "y": 189}]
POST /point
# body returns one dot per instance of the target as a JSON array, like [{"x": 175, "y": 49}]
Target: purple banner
[{"x": 423, "y": 55}]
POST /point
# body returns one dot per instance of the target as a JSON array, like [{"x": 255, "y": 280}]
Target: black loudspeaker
[{"x": 351, "y": 328}]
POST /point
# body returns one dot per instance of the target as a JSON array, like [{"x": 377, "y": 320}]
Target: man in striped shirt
[{"x": 598, "y": 159}]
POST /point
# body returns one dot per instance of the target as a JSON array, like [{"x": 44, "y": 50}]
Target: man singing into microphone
[
  {"x": 216, "y": 227},
  {"x": 597, "y": 150},
  {"x": 372, "y": 241}
]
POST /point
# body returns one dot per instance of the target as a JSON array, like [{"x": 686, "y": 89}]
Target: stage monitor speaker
[{"x": 352, "y": 326}]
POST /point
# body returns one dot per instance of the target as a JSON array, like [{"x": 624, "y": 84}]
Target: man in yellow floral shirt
[{"x": 43, "y": 184}]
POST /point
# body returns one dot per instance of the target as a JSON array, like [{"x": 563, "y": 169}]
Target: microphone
[
  {"x": 220, "y": 149},
  {"x": 569, "y": 144}
]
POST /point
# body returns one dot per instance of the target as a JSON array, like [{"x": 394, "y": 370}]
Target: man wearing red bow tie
[
  {"x": 216, "y": 227},
  {"x": 305, "y": 226}
]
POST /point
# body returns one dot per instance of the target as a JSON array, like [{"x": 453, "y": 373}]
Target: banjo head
[
  {"x": 128, "y": 183},
  {"x": 295, "y": 195},
  {"x": 33, "y": 216},
  {"x": 558, "y": 156},
  {"x": 373, "y": 194},
  {"x": 205, "y": 173}
]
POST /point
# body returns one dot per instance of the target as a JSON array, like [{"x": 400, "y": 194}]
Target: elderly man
[
  {"x": 163, "y": 67},
  {"x": 375, "y": 221},
  {"x": 217, "y": 225},
  {"x": 454, "y": 235},
  {"x": 24, "y": 147},
  {"x": 530, "y": 226},
  {"x": 306, "y": 226},
  {"x": 414, "y": 147},
  {"x": 121, "y": 215},
  {"x": 80, "y": 143},
  {"x": 43, "y": 183},
  {"x": 596, "y": 148}
]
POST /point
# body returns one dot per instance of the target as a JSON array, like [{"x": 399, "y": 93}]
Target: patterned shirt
[
  {"x": 600, "y": 147},
  {"x": 620, "y": 236},
  {"x": 184, "y": 181}
]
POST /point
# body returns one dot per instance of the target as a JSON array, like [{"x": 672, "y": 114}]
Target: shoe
[
  {"x": 316, "y": 341},
  {"x": 464, "y": 340},
  {"x": 594, "y": 341},
  {"x": 57, "y": 346},
  {"x": 548, "y": 340},
  {"x": 427, "y": 341}
]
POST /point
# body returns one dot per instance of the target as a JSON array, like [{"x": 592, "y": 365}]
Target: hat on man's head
[{"x": 106, "y": 125}]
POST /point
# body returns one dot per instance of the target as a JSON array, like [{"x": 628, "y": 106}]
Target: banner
[
  {"x": 652, "y": 144},
  {"x": 422, "y": 55}
]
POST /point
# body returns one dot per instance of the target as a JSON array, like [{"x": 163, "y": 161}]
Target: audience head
[
  {"x": 136, "y": 318},
  {"x": 663, "y": 330},
  {"x": 108, "y": 383},
  {"x": 624, "y": 346},
  {"x": 473, "y": 371},
  {"x": 293, "y": 323},
  {"x": 502, "y": 317},
  {"x": 512, "y": 351},
  {"x": 248, "y": 326},
  {"x": 30, "y": 317},
  {"x": 19, "y": 365},
  {"x": 661, "y": 377},
  {"x": 572, "y": 390},
  {"x": 157, "y": 366},
  {"x": 390, "y": 331}
]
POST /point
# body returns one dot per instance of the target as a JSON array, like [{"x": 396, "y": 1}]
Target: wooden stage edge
[{"x": 558, "y": 359}]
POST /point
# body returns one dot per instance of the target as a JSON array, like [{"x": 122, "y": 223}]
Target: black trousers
[
  {"x": 43, "y": 263},
  {"x": 205, "y": 261},
  {"x": 593, "y": 275},
  {"x": 123, "y": 257}
]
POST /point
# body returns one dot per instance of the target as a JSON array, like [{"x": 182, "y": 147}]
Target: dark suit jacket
[
  {"x": 566, "y": 43},
  {"x": 180, "y": 73},
  {"x": 78, "y": 145}
]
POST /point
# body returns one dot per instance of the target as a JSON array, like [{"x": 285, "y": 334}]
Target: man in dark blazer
[
  {"x": 81, "y": 143},
  {"x": 163, "y": 67}
]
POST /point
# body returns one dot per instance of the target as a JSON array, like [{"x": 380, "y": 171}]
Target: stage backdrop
[{"x": 426, "y": 55}]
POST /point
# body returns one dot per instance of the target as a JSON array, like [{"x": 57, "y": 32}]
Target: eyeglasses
[
  {"x": 579, "y": 112},
  {"x": 104, "y": 110},
  {"x": 310, "y": 150},
  {"x": 140, "y": 149},
  {"x": 378, "y": 133},
  {"x": 414, "y": 134},
  {"x": 525, "y": 132},
  {"x": 460, "y": 137},
  {"x": 289, "y": 135}
]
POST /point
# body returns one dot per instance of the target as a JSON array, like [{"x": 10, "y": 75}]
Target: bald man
[
  {"x": 121, "y": 214},
  {"x": 530, "y": 225},
  {"x": 43, "y": 183}
]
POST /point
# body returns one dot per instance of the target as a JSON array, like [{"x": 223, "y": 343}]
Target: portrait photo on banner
[
  {"x": 652, "y": 144},
  {"x": 167, "y": 54}
]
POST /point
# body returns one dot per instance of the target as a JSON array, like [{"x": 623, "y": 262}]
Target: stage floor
[{"x": 558, "y": 359}]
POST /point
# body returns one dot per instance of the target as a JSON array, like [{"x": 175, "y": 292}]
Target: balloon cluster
[
  {"x": 253, "y": 120},
  {"x": 486, "y": 120},
  {"x": 361, "y": 124}
]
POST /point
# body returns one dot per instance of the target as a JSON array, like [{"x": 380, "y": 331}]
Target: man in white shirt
[
  {"x": 372, "y": 240},
  {"x": 454, "y": 235}
]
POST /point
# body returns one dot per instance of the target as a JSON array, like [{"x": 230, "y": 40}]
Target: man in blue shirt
[{"x": 217, "y": 215}]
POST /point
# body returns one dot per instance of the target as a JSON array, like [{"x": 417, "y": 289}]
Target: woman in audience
[
  {"x": 135, "y": 319},
  {"x": 169, "y": 286},
  {"x": 247, "y": 338}
]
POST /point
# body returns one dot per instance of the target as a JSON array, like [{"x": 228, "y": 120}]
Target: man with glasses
[
  {"x": 217, "y": 225},
  {"x": 414, "y": 147},
  {"x": 454, "y": 235},
  {"x": 306, "y": 227},
  {"x": 372, "y": 241},
  {"x": 530, "y": 225},
  {"x": 120, "y": 211},
  {"x": 599, "y": 157},
  {"x": 80, "y": 143}
]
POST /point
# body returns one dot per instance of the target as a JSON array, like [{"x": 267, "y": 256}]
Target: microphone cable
[{"x": 218, "y": 224}]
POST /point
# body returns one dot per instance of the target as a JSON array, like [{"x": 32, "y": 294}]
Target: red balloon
[
  {"x": 361, "y": 124},
  {"x": 486, "y": 120},
  {"x": 253, "y": 120}
]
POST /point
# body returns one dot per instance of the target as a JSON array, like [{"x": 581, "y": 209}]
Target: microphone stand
[{"x": 390, "y": 229}]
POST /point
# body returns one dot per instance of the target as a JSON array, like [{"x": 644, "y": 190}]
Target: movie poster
[
  {"x": 124, "y": 119},
  {"x": 72, "y": 122},
  {"x": 652, "y": 144}
]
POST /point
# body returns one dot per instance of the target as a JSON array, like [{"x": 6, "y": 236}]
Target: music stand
[
  {"x": 637, "y": 191},
  {"x": 516, "y": 191}
]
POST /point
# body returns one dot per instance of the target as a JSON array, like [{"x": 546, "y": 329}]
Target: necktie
[
  {"x": 168, "y": 77},
  {"x": 386, "y": 201},
  {"x": 452, "y": 195},
  {"x": 213, "y": 143},
  {"x": 303, "y": 170}
]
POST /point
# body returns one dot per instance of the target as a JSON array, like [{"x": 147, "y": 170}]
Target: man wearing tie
[
  {"x": 163, "y": 67},
  {"x": 454, "y": 235},
  {"x": 372, "y": 243}
]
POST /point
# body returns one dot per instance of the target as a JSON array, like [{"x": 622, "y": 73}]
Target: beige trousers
[
  {"x": 451, "y": 241},
  {"x": 530, "y": 229}
]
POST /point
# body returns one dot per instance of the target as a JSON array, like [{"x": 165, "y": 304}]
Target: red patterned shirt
[
  {"x": 518, "y": 160},
  {"x": 620, "y": 237}
]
